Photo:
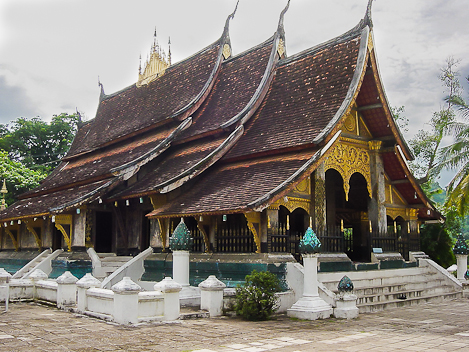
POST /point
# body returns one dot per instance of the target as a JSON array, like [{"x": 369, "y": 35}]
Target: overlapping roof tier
[{"x": 233, "y": 134}]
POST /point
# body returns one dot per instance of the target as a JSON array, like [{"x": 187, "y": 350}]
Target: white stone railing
[
  {"x": 46, "y": 291},
  {"x": 124, "y": 303}
]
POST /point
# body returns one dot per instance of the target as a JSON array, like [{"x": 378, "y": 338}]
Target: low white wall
[
  {"x": 46, "y": 291},
  {"x": 150, "y": 304},
  {"x": 21, "y": 289},
  {"x": 100, "y": 301}
]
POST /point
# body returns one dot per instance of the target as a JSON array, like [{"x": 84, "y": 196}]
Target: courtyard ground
[{"x": 430, "y": 327}]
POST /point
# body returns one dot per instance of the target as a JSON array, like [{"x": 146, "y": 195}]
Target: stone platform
[{"x": 428, "y": 327}]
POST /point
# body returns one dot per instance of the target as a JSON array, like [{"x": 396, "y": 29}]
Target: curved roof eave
[
  {"x": 353, "y": 88},
  {"x": 261, "y": 203},
  {"x": 392, "y": 123}
]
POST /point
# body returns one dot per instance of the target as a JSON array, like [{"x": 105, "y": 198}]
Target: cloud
[{"x": 14, "y": 102}]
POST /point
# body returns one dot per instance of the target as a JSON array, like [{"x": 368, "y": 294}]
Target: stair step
[{"x": 378, "y": 306}]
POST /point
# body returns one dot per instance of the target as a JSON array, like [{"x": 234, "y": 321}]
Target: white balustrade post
[
  {"x": 181, "y": 267},
  {"x": 211, "y": 297},
  {"x": 462, "y": 266},
  {"x": 36, "y": 276},
  {"x": 126, "y": 301},
  {"x": 310, "y": 306},
  {"x": 310, "y": 263},
  {"x": 181, "y": 243},
  {"x": 5, "y": 287},
  {"x": 86, "y": 282},
  {"x": 346, "y": 302},
  {"x": 66, "y": 290},
  {"x": 170, "y": 288},
  {"x": 461, "y": 250}
]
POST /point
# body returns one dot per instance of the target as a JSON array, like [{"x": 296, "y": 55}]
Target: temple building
[{"x": 249, "y": 149}]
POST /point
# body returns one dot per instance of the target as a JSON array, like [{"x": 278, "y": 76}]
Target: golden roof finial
[
  {"x": 169, "y": 51},
  {"x": 156, "y": 64}
]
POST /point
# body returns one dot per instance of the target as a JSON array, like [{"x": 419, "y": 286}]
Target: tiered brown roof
[{"x": 234, "y": 134}]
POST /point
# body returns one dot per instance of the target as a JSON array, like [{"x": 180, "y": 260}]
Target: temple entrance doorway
[
  {"x": 56, "y": 239},
  {"x": 348, "y": 218},
  {"x": 291, "y": 228},
  {"x": 103, "y": 234}
]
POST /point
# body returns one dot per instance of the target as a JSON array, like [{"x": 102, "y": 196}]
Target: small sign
[{"x": 377, "y": 250}]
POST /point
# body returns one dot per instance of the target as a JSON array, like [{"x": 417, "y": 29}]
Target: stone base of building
[{"x": 310, "y": 308}]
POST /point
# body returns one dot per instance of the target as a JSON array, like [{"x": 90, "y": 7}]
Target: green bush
[{"x": 256, "y": 299}]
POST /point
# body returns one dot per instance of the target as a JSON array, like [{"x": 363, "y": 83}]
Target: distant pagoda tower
[{"x": 155, "y": 65}]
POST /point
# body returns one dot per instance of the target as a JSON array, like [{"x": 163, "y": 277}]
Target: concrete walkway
[{"x": 431, "y": 327}]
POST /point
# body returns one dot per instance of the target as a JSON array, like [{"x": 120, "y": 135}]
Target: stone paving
[{"x": 431, "y": 327}]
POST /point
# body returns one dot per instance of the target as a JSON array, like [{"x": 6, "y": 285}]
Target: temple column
[
  {"x": 48, "y": 229},
  {"x": 376, "y": 208},
  {"x": 272, "y": 226},
  {"x": 79, "y": 230},
  {"x": 320, "y": 199}
]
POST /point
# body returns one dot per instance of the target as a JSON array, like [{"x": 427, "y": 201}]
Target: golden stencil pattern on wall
[
  {"x": 348, "y": 159},
  {"x": 88, "y": 228},
  {"x": 320, "y": 201}
]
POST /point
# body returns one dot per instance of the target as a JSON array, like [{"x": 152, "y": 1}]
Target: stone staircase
[
  {"x": 110, "y": 262},
  {"x": 382, "y": 289}
]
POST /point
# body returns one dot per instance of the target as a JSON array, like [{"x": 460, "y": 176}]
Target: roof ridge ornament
[
  {"x": 102, "y": 95},
  {"x": 367, "y": 21},
  {"x": 280, "y": 21},
  {"x": 155, "y": 65},
  {"x": 226, "y": 51}
]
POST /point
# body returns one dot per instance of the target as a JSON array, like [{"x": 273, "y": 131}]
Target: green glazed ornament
[
  {"x": 181, "y": 239},
  {"x": 461, "y": 246},
  {"x": 345, "y": 284},
  {"x": 310, "y": 243}
]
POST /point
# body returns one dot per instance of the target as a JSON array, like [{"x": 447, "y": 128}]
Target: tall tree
[
  {"x": 18, "y": 177},
  {"x": 36, "y": 143},
  {"x": 426, "y": 144},
  {"x": 456, "y": 156}
]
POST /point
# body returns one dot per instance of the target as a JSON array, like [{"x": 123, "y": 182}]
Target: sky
[{"x": 53, "y": 51}]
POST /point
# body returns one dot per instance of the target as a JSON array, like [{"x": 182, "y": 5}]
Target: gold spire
[{"x": 155, "y": 65}]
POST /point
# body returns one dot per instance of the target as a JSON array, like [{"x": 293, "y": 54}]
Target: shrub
[{"x": 256, "y": 299}]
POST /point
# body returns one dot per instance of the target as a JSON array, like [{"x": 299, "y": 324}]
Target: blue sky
[{"x": 52, "y": 51}]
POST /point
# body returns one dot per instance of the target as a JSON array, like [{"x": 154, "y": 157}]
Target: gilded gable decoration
[
  {"x": 348, "y": 159},
  {"x": 292, "y": 203}
]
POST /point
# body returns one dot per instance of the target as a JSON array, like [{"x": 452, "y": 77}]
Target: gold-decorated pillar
[
  {"x": 376, "y": 208},
  {"x": 320, "y": 219},
  {"x": 272, "y": 225}
]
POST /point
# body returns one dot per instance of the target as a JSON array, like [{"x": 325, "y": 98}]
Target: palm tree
[{"x": 456, "y": 156}]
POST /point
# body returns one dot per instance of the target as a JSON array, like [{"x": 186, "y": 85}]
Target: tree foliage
[
  {"x": 456, "y": 157},
  {"x": 256, "y": 300},
  {"x": 18, "y": 177},
  {"x": 38, "y": 144}
]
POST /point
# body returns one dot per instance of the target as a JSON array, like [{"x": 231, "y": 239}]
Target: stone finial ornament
[
  {"x": 461, "y": 246},
  {"x": 310, "y": 243},
  {"x": 345, "y": 284},
  {"x": 181, "y": 239}
]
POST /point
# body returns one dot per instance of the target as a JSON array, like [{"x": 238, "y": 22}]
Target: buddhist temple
[{"x": 249, "y": 149}]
